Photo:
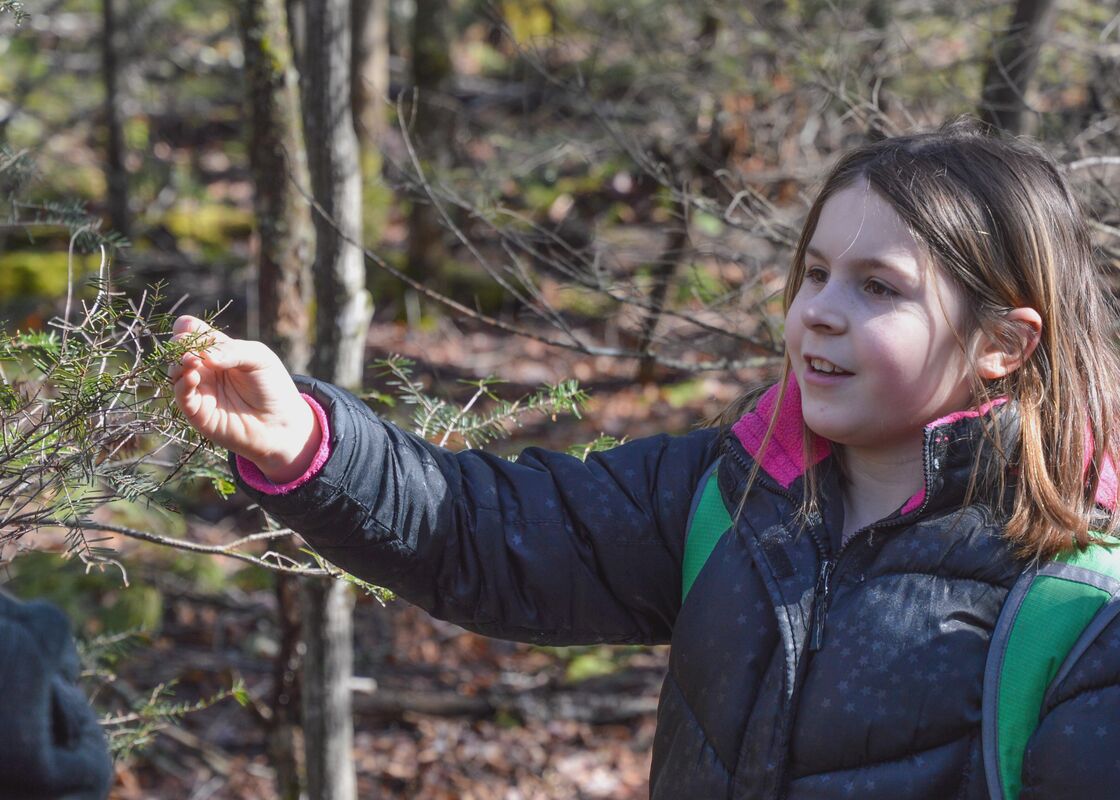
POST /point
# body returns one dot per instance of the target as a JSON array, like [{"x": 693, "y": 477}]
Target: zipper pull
[{"x": 820, "y": 603}]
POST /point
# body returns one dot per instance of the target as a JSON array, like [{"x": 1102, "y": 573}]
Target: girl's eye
[
  {"x": 816, "y": 274},
  {"x": 880, "y": 289}
]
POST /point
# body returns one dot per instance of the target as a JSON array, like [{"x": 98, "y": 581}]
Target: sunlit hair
[{"x": 999, "y": 219}]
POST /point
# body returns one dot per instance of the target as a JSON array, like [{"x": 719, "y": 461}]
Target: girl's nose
[{"x": 824, "y": 312}]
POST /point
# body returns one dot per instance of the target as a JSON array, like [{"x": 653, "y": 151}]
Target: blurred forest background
[{"x": 447, "y": 205}]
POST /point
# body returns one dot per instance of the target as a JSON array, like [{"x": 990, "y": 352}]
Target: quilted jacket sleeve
[
  {"x": 545, "y": 549},
  {"x": 1075, "y": 751}
]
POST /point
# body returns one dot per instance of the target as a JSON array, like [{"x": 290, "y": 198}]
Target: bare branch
[{"x": 226, "y": 550}]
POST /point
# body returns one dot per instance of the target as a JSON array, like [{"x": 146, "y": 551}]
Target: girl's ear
[{"x": 1000, "y": 356}]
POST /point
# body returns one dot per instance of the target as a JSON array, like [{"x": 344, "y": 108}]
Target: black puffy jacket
[{"x": 551, "y": 549}]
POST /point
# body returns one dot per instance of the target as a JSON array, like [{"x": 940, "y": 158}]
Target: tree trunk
[
  {"x": 431, "y": 132},
  {"x": 678, "y": 242},
  {"x": 1012, "y": 64},
  {"x": 370, "y": 69},
  {"x": 342, "y": 302},
  {"x": 878, "y": 17},
  {"x": 297, "y": 30},
  {"x": 342, "y": 316},
  {"x": 278, "y": 165},
  {"x": 328, "y": 725},
  {"x": 286, "y": 689},
  {"x": 116, "y": 176}
]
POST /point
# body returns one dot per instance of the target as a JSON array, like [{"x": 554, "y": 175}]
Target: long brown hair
[{"x": 998, "y": 217}]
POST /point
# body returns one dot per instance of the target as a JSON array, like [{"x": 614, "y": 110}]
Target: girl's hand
[{"x": 237, "y": 394}]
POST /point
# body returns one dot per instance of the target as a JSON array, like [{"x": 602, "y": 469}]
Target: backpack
[{"x": 1051, "y": 616}]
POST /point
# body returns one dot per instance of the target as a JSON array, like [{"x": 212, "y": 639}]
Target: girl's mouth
[{"x": 821, "y": 366}]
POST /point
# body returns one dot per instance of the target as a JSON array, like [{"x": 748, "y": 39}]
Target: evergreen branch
[
  {"x": 438, "y": 418},
  {"x": 602, "y": 442},
  {"x": 14, "y": 8},
  {"x": 132, "y": 729}
]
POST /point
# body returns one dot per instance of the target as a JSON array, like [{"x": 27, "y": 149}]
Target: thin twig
[{"x": 194, "y": 547}]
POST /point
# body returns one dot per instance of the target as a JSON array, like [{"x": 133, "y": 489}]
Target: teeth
[{"x": 820, "y": 365}]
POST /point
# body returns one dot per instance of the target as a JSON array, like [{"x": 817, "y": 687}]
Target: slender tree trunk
[
  {"x": 278, "y": 165},
  {"x": 343, "y": 311},
  {"x": 678, "y": 241},
  {"x": 297, "y": 30},
  {"x": 286, "y": 691},
  {"x": 1012, "y": 64},
  {"x": 115, "y": 173},
  {"x": 878, "y": 16},
  {"x": 328, "y": 608},
  {"x": 662, "y": 276},
  {"x": 342, "y": 302},
  {"x": 431, "y": 131},
  {"x": 370, "y": 69}
]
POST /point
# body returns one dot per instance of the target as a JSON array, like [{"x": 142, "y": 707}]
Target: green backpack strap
[
  {"x": 707, "y": 523},
  {"x": 1051, "y": 616}
]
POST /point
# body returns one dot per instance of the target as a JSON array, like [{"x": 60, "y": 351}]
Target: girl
[{"x": 945, "y": 415}]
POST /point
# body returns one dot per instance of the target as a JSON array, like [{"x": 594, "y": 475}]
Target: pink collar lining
[{"x": 784, "y": 459}]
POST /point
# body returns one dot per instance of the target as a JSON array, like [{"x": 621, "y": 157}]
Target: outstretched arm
[
  {"x": 549, "y": 548},
  {"x": 546, "y": 549}
]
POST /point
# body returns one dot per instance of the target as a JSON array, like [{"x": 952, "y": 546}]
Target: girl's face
[{"x": 873, "y": 331}]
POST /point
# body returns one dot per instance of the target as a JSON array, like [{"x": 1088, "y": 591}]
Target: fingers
[
  {"x": 218, "y": 349},
  {"x": 240, "y": 354},
  {"x": 185, "y": 395},
  {"x": 186, "y": 325},
  {"x": 198, "y": 332}
]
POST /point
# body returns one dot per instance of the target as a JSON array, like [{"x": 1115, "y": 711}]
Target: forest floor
[{"x": 451, "y": 714}]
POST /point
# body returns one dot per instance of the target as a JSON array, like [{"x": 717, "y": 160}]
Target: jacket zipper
[
  {"x": 820, "y": 597},
  {"x": 828, "y": 561},
  {"x": 828, "y": 564}
]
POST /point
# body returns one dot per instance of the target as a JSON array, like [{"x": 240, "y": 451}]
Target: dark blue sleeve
[
  {"x": 1075, "y": 752},
  {"x": 547, "y": 549}
]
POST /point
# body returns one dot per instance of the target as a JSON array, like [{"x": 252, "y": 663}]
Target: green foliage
[
  {"x": 130, "y": 718},
  {"x": 29, "y": 273},
  {"x": 87, "y": 416},
  {"x": 209, "y": 227},
  {"x": 590, "y": 665},
  {"x": 14, "y": 8},
  {"x": 582, "y": 662},
  {"x": 527, "y": 20},
  {"x": 685, "y": 393},
  {"x": 600, "y": 443},
  {"x": 438, "y": 418},
  {"x": 377, "y": 197},
  {"x": 134, "y": 728},
  {"x": 707, "y": 224},
  {"x": 703, "y": 284},
  {"x": 95, "y": 600},
  {"x": 17, "y": 172},
  {"x": 378, "y": 593}
]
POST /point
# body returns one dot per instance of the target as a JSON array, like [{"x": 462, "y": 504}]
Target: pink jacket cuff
[{"x": 253, "y": 476}]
